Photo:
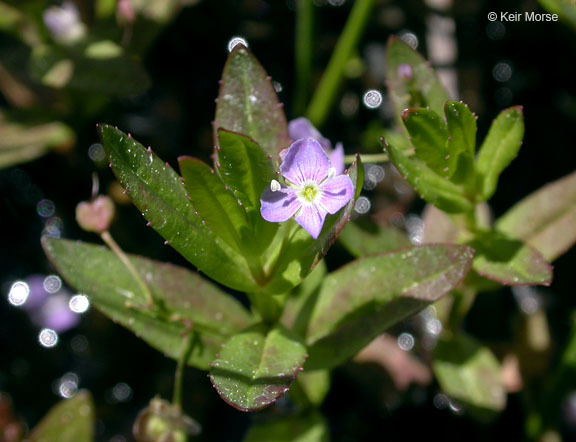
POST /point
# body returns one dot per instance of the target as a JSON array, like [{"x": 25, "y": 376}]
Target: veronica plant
[{"x": 233, "y": 222}]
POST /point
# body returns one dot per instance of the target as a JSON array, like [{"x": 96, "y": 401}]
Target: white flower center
[{"x": 309, "y": 193}]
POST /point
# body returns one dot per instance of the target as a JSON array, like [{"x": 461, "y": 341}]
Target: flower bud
[
  {"x": 95, "y": 215},
  {"x": 163, "y": 422}
]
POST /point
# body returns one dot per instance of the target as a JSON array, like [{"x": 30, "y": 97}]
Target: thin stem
[
  {"x": 107, "y": 238},
  {"x": 187, "y": 346},
  {"x": 303, "y": 53},
  {"x": 368, "y": 158},
  {"x": 323, "y": 99}
]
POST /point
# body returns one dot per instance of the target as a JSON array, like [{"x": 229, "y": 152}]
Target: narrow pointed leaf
[
  {"x": 509, "y": 261},
  {"x": 257, "y": 366},
  {"x": 429, "y": 136},
  {"x": 470, "y": 374},
  {"x": 247, "y": 171},
  {"x": 461, "y": 124},
  {"x": 362, "y": 299},
  {"x": 499, "y": 148},
  {"x": 157, "y": 191},
  {"x": 215, "y": 204},
  {"x": 248, "y": 104},
  {"x": 310, "y": 427},
  {"x": 436, "y": 190},
  {"x": 70, "y": 420},
  {"x": 364, "y": 237},
  {"x": 303, "y": 252},
  {"x": 411, "y": 81},
  {"x": 546, "y": 219},
  {"x": 185, "y": 296}
]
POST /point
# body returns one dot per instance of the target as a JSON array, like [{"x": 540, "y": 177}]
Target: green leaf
[
  {"x": 546, "y": 219},
  {"x": 310, "y": 427},
  {"x": 362, "y": 299},
  {"x": 509, "y": 261},
  {"x": 157, "y": 191},
  {"x": 565, "y": 10},
  {"x": 432, "y": 187},
  {"x": 20, "y": 143},
  {"x": 311, "y": 387},
  {"x": 248, "y": 104},
  {"x": 70, "y": 420},
  {"x": 257, "y": 366},
  {"x": 499, "y": 148},
  {"x": 429, "y": 136},
  {"x": 471, "y": 374},
  {"x": 215, "y": 204},
  {"x": 247, "y": 171},
  {"x": 64, "y": 68},
  {"x": 422, "y": 90},
  {"x": 364, "y": 237},
  {"x": 185, "y": 297},
  {"x": 295, "y": 261},
  {"x": 461, "y": 124}
]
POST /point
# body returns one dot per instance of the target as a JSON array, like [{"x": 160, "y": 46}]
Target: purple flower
[
  {"x": 313, "y": 188},
  {"x": 302, "y": 128}
]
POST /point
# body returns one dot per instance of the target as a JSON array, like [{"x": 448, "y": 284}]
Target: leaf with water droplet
[
  {"x": 499, "y": 148},
  {"x": 461, "y": 124},
  {"x": 70, "y": 420},
  {"x": 422, "y": 89},
  {"x": 248, "y": 104},
  {"x": 99, "y": 273},
  {"x": 362, "y": 299},
  {"x": 469, "y": 373},
  {"x": 257, "y": 366},
  {"x": 157, "y": 191},
  {"x": 546, "y": 219},
  {"x": 509, "y": 261}
]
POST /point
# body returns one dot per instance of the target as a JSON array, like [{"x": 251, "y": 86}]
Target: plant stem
[
  {"x": 368, "y": 158},
  {"x": 107, "y": 238},
  {"x": 187, "y": 346},
  {"x": 323, "y": 99},
  {"x": 303, "y": 53}
]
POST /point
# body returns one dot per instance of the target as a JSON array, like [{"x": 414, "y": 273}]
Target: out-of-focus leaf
[
  {"x": 157, "y": 191},
  {"x": 215, "y": 204},
  {"x": 303, "y": 252},
  {"x": 461, "y": 124},
  {"x": 313, "y": 386},
  {"x": 257, "y": 366},
  {"x": 499, "y": 148},
  {"x": 438, "y": 227},
  {"x": 247, "y": 171},
  {"x": 436, "y": 190},
  {"x": 20, "y": 143},
  {"x": 509, "y": 261},
  {"x": 546, "y": 219},
  {"x": 248, "y": 104},
  {"x": 470, "y": 374},
  {"x": 362, "y": 299},
  {"x": 429, "y": 136},
  {"x": 310, "y": 427},
  {"x": 416, "y": 86},
  {"x": 185, "y": 297},
  {"x": 62, "y": 68},
  {"x": 566, "y": 11},
  {"x": 364, "y": 237},
  {"x": 70, "y": 420}
]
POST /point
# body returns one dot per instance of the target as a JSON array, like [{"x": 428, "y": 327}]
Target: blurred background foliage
[{"x": 151, "y": 67}]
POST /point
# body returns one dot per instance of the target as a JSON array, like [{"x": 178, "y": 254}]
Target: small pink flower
[{"x": 313, "y": 190}]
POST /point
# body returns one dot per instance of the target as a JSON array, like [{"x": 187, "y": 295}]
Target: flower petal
[
  {"x": 278, "y": 206},
  {"x": 337, "y": 159},
  {"x": 311, "y": 218},
  {"x": 336, "y": 192},
  {"x": 302, "y": 128},
  {"x": 305, "y": 161}
]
